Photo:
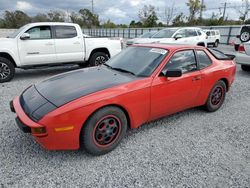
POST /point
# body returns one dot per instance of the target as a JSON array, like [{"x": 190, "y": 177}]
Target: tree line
[{"x": 147, "y": 17}]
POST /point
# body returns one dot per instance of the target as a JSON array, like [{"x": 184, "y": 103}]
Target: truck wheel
[
  {"x": 7, "y": 70},
  {"x": 104, "y": 130},
  {"x": 245, "y": 68},
  {"x": 98, "y": 58}
]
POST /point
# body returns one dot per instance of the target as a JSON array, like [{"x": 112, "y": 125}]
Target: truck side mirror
[{"x": 25, "y": 36}]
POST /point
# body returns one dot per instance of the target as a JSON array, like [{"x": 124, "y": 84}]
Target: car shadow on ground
[{"x": 24, "y": 144}]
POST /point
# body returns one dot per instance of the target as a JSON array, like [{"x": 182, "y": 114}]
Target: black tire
[
  {"x": 201, "y": 44},
  {"x": 96, "y": 133},
  {"x": 216, "y": 97},
  {"x": 216, "y": 44},
  {"x": 98, "y": 58},
  {"x": 236, "y": 47},
  {"x": 245, "y": 68},
  {"x": 7, "y": 70}
]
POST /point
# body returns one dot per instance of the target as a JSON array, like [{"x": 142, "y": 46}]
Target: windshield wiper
[{"x": 123, "y": 70}]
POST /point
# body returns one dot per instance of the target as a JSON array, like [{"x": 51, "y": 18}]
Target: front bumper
[{"x": 51, "y": 140}]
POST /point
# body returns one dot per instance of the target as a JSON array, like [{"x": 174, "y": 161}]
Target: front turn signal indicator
[{"x": 39, "y": 131}]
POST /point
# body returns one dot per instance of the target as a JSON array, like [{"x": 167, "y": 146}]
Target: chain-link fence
[{"x": 228, "y": 33}]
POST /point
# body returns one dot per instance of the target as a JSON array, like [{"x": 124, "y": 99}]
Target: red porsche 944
[{"x": 94, "y": 107}]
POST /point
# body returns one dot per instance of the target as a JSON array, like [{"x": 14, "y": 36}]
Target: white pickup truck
[{"x": 49, "y": 44}]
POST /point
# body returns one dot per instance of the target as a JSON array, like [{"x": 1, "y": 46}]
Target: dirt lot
[{"x": 189, "y": 149}]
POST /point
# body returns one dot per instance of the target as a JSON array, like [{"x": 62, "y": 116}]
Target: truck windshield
[
  {"x": 139, "y": 61},
  {"x": 14, "y": 35}
]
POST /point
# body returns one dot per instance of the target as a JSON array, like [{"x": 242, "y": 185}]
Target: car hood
[{"x": 69, "y": 86}]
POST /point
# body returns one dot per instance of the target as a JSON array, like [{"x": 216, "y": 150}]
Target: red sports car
[{"x": 94, "y": 107}]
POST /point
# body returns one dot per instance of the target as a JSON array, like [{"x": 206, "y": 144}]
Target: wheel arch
[
  {"x": 225, "y": 80},
  {"x": 9, "y": 57},
  {"x": 104, "y": 50}
]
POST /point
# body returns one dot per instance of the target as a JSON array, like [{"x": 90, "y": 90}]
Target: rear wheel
[
  {"x": 245, "y": 68},
  {"x": 216, "y": 97},
  {"x": 7, "y": 70},
  {"x": 216, "y": 44},
  {"x": 104, "y": 130},
  {"x": 98, "y": 58}
]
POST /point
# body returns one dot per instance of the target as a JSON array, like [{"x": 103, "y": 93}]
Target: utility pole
[
  {"x": 201, "y": 11},
  {"x": 224, "y": 11},
  {"x": 92, "y": 3}
]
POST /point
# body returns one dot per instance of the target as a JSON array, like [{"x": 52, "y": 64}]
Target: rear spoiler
[{"x": 220, "y": 55}]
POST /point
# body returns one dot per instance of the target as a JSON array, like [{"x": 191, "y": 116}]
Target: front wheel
[
  {"x": 7, "y": 70},
  {"x": 216, "y": 97},
  {"x": 104, "y": 130},
  {"x": 98, "y": 58}
]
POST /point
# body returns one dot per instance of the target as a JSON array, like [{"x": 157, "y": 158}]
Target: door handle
[
  {"x": 196, "y": 78},
  {"x": 76, "y": 43},
  {"x": 49, "y": 44}
]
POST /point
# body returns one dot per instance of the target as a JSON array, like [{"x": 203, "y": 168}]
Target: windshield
[
  {"x": 147, "y": 35},
  {"x": 166, "y": 33},
  {"x": 13, "y": 35},
  {"x": 139, "y": 61}
]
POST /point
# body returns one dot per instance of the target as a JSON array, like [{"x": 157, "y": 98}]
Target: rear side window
[
  {"x": 63, "y": 32},
  {"x": 191, "y": 33},
  {"x": 204, "y": 60},
  {"x": 184, "y": 60},
  {"x": 199, "y": 32},
  {"x": 213, "y": 33}
]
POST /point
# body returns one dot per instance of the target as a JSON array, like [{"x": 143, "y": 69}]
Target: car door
[
  {"x": 170, "y": 95},
  {"x": 192, "y": 36},
  {"x": 39, "y": 48},
  {"x": 69, "y": 45}
]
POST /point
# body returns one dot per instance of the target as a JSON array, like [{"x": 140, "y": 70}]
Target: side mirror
[
  {"x": 178, "y": 36},
  {"x": 173, "y": 73},
  {"x": 25, "y": 36}
]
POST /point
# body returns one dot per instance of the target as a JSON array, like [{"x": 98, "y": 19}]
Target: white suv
[
  {"x": 185, "y": 35},
  {"x": 213, "y": 37}
]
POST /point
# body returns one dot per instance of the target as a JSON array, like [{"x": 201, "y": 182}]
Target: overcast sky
[{"x": 118, "y": 11}]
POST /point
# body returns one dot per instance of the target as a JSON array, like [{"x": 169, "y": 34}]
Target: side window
[
  {"x": 40, "y": 32},
  {"x": 184, "y": 60},
  {"x": 199, "y": 32},
  {"x": 63, "y": 32},
  {"x": 213, "y": 33},
  {"x": 181, "y": 32},
  {"x": 191, "y": 33},
  {"x": 204, "y": 60}
]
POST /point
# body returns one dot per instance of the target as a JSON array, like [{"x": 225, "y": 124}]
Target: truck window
[
  {"x": 39, "y": 32},
  {"x": 63, "y": 32}
]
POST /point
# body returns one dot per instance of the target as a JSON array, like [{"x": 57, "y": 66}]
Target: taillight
[{"x": 241, "y": 49}]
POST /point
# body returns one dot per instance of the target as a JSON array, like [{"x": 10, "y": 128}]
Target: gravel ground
[{"x": 189, "y": 149}]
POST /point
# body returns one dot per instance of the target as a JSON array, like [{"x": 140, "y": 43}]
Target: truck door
[
  {"x": 39, "y": 48},
  {"x": 69, "y": 44}
]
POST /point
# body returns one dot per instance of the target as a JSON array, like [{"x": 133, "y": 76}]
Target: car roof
[{"x": 170, "y": 46}]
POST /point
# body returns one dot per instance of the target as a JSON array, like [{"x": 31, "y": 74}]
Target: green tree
[
  {"x": 76, "y": 18},
  {"x": 40, "y": 18},
  {"x": 15, "y": 19},
  {"x": 56, "y": 16},
  {"x": 109, "y": 24},
  {"x": 179, "y": 20},
  {"x": 148, "y": 16},
  {"x": 89, "y": 19},
  {"x": 195, "y": 7}
]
